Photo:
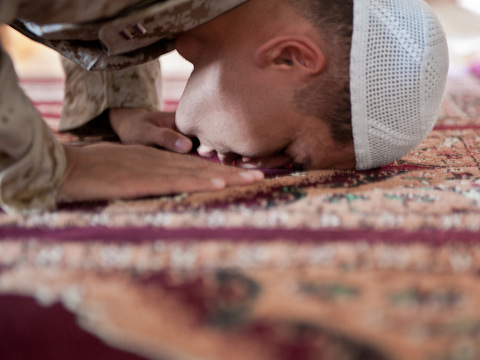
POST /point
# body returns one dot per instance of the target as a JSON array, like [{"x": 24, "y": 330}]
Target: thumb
[{"x": 170, "y": 140}]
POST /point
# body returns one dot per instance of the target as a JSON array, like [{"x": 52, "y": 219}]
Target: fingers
[
  {"x": 186, "y": 165},
  {"x": 112, "y": 171},
  {"x": 232, "y": 178},
  {"x": 169, "y": 140},
  {"x": 164, "y": 133},
  {"x": 162, "y": 119},
  {"x": 139, "y": 126},
  {"x": 203, "y": 182}
]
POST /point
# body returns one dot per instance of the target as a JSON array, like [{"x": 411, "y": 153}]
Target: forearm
[
  {"x": 32, "y": 161},
  {"x": 89, "y": 94}
]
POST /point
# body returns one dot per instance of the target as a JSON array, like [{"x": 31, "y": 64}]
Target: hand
[
  {"x": 143, "y": 127},
  {"x": 112, "y": 171}
]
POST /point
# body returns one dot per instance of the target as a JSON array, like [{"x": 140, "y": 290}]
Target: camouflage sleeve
[
  {"x": 32, "y": 161},
  {"x": 89, "y": 94}
]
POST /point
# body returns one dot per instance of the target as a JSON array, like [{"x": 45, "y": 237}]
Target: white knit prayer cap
[{"x": 399, "y": 65}]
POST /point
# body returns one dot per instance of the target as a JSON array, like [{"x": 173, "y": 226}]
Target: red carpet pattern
[{"x": 380, "y": 264}]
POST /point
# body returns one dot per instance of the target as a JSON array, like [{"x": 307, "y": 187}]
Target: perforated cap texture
[{"x": 399, "y": 65}]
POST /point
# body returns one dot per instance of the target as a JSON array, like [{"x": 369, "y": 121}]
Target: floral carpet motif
[{"x": 379, "y": 264}]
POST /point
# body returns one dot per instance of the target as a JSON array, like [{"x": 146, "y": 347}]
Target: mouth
[
  {"x": 227, "y": 158},
  {"x": 232, "y": 159},
  {"x": 276, "y": 161},
  {"x": 206, "y": 151}
]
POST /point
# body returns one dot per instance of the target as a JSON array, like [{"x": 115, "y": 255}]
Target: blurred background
[
  {"x": 460, "y": 18},
  {"x": 461, "y": 21}
]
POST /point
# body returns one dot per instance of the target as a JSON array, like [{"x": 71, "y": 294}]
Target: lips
[
  {"x": 206, "y": 151},
  {"x": 279, "y": 161},
  {"x": 270, "y": 162}
]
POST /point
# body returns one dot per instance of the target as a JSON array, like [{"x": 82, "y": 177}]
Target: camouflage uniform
[{"x": 118, "y": 39}]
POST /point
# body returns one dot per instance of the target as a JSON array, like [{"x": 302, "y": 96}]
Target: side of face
[
  {"x": 244, "y": 111},
  {"x": 229, "y": 109},
  {"x": 243, "y": 123}
]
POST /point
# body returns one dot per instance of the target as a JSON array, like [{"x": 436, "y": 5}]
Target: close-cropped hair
[{"x": 328, "y": 97}]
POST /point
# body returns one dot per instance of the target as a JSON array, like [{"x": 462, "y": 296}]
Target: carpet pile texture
[{"x": 379, "y": 264}]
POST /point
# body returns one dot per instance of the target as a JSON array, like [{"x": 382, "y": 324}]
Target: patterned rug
[{"x": 380, "y": 264}]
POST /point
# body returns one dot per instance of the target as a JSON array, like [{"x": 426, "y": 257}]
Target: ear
[{"x": 297, "y": 54}]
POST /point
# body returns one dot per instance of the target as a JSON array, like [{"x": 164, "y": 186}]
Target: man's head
[{"x": 271, "y": 84}]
